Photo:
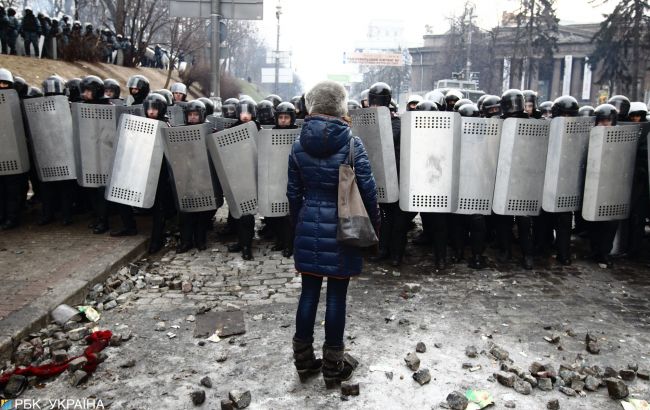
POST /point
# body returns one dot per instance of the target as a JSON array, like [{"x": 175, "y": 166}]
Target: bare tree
[{"x": 187, "y": 36}]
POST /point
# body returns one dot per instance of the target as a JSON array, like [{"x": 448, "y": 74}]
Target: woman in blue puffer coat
[{"x": 324, "y": 144}]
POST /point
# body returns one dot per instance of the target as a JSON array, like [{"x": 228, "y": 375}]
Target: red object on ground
[{"x": 97, "y": 340}]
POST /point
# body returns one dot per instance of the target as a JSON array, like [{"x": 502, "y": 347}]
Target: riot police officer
[
  {"x": 12, "y": 187},
  {"x": 229, "y": 108},
  {"x": 266, "y": 112},
  {"x": 274, "y": 99},
  {"x": 412, "y": 102},
  {"x": 545, "y": 109},
  {"x": 72, "y": 90},
  {"x": 461, "y": 102},
  {"x": 246, "y": 112},
  {"x": 167, "y": 95},
  {"x": 491, "y": 106},
  {"x": 530, "y": 103},
  {"x": 622, "y": 105},
  {"x": 179, "y": 91},
  {"x": 602, "y": 233},
  {"x": 640, "y": 197},
  {"x": 512, "y": 106},
  {"x": 394, "y": 221},
  {"x": 112, "y": 88},
  {"x": 92, "y": 92},
  {"x": 586, "y": 111},
  {"x": 353, "y": 105},
  {"x": 451, "y": 98},
  {"x": 363, "y": 98}
]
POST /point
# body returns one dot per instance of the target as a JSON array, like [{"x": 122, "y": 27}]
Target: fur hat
[{"x": 328, "y": 98}]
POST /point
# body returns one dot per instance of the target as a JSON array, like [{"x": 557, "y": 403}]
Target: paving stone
[
  {"x": 197, "y": 397},
  {"x": 349, "y": 389},
  {"x": 505, "y": 378},
  {"x": 412, "y": 361},
  {"x": 241, "y": 399},
  {"x": 616, "y": 388},
  {"x": 423, "y": 376},
  {"x": 553, "y": 404},
  {"x": 457, "y": 401}
]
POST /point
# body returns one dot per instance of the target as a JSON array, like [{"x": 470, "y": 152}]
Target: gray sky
[{"x": 319, "y": 32}]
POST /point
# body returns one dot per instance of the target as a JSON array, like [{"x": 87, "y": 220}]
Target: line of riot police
[{"x": 475, "y": 171}]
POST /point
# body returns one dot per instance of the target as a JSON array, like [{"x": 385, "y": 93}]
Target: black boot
[
  {"x": 477, "y": 262},
  {"x": 247, "y": 253},
  {"x": 335, "y": 368},
  {"x": 234, "y": 247},
  {"x": 306, "y": 362}
]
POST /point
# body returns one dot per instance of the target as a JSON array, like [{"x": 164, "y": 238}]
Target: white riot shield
[
  {"x": 137, "y": 109},
  {"x": 95, "y": 133},
  {"x": 429, "y": 161},
  {"x": 520, "y": 170},
  {"x": 118, "y": 101},
  {"x": 177, "y": 113},
  {"x": 14, "y": 158},
  {"x": 50, "y": 127},
  {"x": 267, "y": 127},
  {"x": 220, "y": 123},
  {"x": 610, "y": 171},
  {"x": 479, "y": 153},
  {"x": 300, "y": 122},
  {"x": 234, "y": 155},
  {"x": 566, "y": 162},
  {"x": 374, "y": 127},
  {"x": 274, "y": 147},
  {"x": 187, "y": 155},
  {"x": 137, "y": 160}
]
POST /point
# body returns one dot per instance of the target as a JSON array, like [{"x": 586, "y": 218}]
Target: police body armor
[
  {"x": 177, "y": 113},
  {"x": 479, "y": 152},
  {"x": 610, "y": 171},
  {"x": 137, "y": 160},
  {"x": 95, "y": 133},
  {"x": 187, "y": 155},
  {"x": 50, "y": 126},
  {"x": 521, "y": 167},
  {"x": 429, "y": 161},
  {"x": 274, "y": 148},
  {"x": 234, "y": 154},
  {"x": 566, "y": 162},
  {"x": 14, "y": 158},
  {"x": 373, "y": 126}
]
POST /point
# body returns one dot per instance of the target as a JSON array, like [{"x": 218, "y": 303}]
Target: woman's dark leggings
[{"x": 337, "y": 290}]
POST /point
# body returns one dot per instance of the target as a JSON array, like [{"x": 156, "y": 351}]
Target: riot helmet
[
  {"x": 491, "y": 106},
  {"x": 479, "y": 103},
  {"x": 353, "y": 105},
  {"x": 275, "y": 100},
  {"x": 530, "y": 101},
  {"x": 246, "y": 109},
  {"x": 586, "y": 111},
  {"x": 363, "y": 98},
  {"x": 545, "y": 109},
  {"x": 179, "y": 91},
  {"x": 266, "y": 112},
  {"x": 468, "y": 110},
  {"x": 462, "y": 102},
  {"x": 92, "y": 88},
  {"x": 437, "y": 97},
  {"x": 73, "y": 90},
  {"x": 565, "y": 106},
  {"x": 155, "y": 107},
  {"x": 426, "y": 106},
  {"x": 53, "y": 85},
  {"x": 21, "y": 87},
  {"x": 6, "y": 78},
  {"x": 112, "y": 88},
  {"x": 138, "y": 86},
  {"x": 393, "y": 106},
  {"x": 34, "y": 92},
  {"x": 295, "y": 100},
  {"x": 229, "y": 108},
  {"x": 512, "y": 103},
  {"x": 167, "y": 95},
  {"x": 246, "y": 97},
  {"x": 412, "y": 102},
  {"x": 379, "y": 94},
  {"x": 195, "y": 112},
  {"x": 638, "y": 112},
  {"x": 622, "y": 104},
  {"x": 209, "y": 105},
  {"x": 606, "y": 115},
  {"x": 451, "y": 97},
  {"x": 282, "y": 111}
]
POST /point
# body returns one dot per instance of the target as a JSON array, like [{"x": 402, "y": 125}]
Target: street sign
[
  {"x": 285, "y": 75},
  {"x": 230, "y": 9}
]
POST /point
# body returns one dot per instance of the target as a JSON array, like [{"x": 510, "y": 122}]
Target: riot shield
[
  {"x": 234, "y": 155},
  {"x": 610, "y": 171},
  {"x": 95, "y": 132},
  {"x": 220, "y": 123},
  {"x": 521, "y": 166},
  {"x": 429, "y": 161},
  {"x": 566, "y": 162},
  {"x": 267, "y": 127},
  {"x": 274, "y": 147},
  {"x": 118, "y": 101},
  {"x": 187, "y": 155},
  {"x": 14, "y": 158},
  {"x": 137, "y": 109},
  {"x": 177, "y": 113},
  {"x": 374, "y": 127},
  {"x": 50, "y": 127},
  {"x": 479, "y": 152},
  {"x": 137, "y": 160},
  {"x": 300, "y": 122}
]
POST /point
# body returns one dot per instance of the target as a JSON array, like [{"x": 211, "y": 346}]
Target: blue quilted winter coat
[{"x": 324, "y": 144}]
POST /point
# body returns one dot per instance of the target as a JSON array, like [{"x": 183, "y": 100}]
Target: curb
[{"x": 31, "y": 318}]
